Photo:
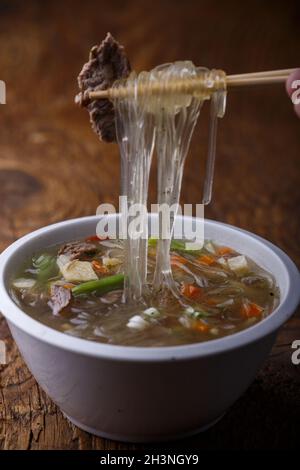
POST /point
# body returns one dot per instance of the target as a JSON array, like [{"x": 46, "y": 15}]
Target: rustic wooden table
[{"x": 52, "y": 168}]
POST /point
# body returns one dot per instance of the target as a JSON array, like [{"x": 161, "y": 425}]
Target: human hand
[{"x": 294, "y": 91}]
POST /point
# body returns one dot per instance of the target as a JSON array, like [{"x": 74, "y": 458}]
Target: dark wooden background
[{"x": 52, "y": 167}]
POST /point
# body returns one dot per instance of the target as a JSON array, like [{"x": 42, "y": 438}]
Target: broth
[{"x": 222, "y": 292}]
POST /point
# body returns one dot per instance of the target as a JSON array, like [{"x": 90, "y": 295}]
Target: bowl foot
[{"x": 141, "y": 438}]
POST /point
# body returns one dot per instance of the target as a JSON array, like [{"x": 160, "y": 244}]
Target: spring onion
[
  {"x": 176, "y": 245},
  {"x": 196, "y": 314},
  {"x": 151, "y": 312},
  {"x": 46, "y": 266},
  {"x": 101, "y": 286}
]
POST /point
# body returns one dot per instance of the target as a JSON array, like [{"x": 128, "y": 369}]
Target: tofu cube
[{"x": 238, "y": 264}]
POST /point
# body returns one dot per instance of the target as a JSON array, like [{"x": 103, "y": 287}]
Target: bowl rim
[{"x": 17, "y": 317}]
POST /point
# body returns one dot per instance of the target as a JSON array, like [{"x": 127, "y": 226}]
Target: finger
[
  {"x": 297, "y": 109},
  {"x": 293, "y": 76}
]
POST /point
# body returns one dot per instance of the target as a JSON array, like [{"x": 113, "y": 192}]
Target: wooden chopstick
[
  {"x": 257, "y": 78},
  {"x": 244, "y": 79},
  {"x": 269, "y": 73}
]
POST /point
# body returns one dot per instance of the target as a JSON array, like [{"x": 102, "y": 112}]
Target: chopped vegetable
[
  {"x": 99, "y": 268},
  {"x": 193, "y": 320},
  {"x": 46, "y": 266},
  {"x": 177, "y": 260},
  {"x": 152, "y": 241},
  {"x": 250, "y": 321},
  {"x": 175, "y": 244},
  {"x": 24, "y": 283},
  {"x": 189, "y": 290},
  {"x": 206, "y": 259},
  {"x": 238, "y": 264},
  {"x": 109, "y": 243},
  {"x": 100, "y": 286},
  {"x": 214, "y": 331},
  {"x": 225, "y": 250},
  {"x": 76, "y": 271},
  {"x": 210, "y": 247},
  {"x": 200, "y": 326},
  {"x": 62, "y": 260},
  {"x": 42, "y": 261},
  {"x": 211, "y": 301},
  {"x": 196, "y": 314},
  {"x": 189, "y": 310},
  {"x": 185, "y": 321},
  {"x": 223, "y": 262},
  {"x": 151, "y": 312},
  {"x": 226, "y": 303},
  {"x": 137, "y": 323},
  {"x": 191, "y": 247},
  {"x": 179, "y": 245},
  {"x": 250, "y": 309},
  {"x": 111, "y": 262},
  {"x": 92, "y": 238}
]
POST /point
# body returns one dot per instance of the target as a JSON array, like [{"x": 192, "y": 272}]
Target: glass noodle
[{"x": 166, "y": 120}]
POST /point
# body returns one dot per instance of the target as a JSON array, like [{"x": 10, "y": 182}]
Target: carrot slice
[
  {"x": 95, "y": 238},
  {"x": 210, "y": 301},
  {"x": 250, "y": 309},
  {"x": 206, "y": 259},
  {"x": 200, "y": 326},
  {"x": 191, "y": 291},
  {"x": 225, "y": 250},
  {"x": 68, "y": 286},
  {"x": 92, "y": 238},
  {"x": 177, "y": 259},
  {"x": 99, "y": 267}
]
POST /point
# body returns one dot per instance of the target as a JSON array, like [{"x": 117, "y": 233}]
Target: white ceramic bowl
[{"x": 146, "y": 394}]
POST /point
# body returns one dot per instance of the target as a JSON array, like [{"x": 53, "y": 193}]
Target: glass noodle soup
[
  {"x": 141, "y": 291},
  {"x": 77, "y": 288}
]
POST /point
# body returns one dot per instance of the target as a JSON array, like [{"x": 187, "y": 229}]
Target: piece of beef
[
  {"x": 60, "y": 298},
  {"x": 74, "y": 250},
  {"x": 107, "y": 63}
]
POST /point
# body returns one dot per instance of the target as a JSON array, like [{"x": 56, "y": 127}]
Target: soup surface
[{"x": 77, "y": 288}]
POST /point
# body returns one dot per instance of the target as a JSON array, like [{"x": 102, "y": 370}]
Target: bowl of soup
[{"x": 152, "y": 372}]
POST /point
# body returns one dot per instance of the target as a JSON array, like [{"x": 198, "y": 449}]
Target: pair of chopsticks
[{"x": 190, "y": 85}]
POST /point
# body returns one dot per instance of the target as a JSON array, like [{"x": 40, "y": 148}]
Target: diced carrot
[
  {"x": 177, "y": 259},
  {"x": 99, "y": 267},
  {"x": 224, "y": 250},
  {"x": 200, "y": 326},
  {"x": 95, "y": 238},
  {"x": 210, "y": 301},
  {"x": 191, "y": 291},
  {"x": 250, "y": 309},
  {"x": 206, "y": 259},
  {"x": 92, "y": 238},
  {"x": 185, "y": 289},
  {"x": 68, "y": 286},
  {"x": 195, "y": 291}
]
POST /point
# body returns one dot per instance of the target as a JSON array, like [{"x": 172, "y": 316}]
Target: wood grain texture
[{"x": 52, "y": 168}]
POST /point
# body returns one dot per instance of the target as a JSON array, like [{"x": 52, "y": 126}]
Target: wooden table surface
[{"x": 52, "y": 168}]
